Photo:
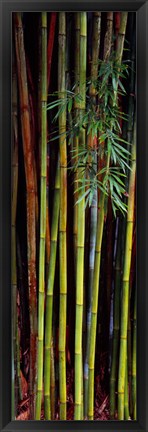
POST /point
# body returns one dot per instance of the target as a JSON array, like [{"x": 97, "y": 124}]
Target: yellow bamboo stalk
[
  {"x": 125, "y": 286},
  {"x": 42, "y": 218},
  {"x": 63, "y": 217},
  {"x": 81, "y": 233}
]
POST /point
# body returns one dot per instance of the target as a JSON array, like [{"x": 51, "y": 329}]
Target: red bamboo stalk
[{"x": 30, "y": 192}]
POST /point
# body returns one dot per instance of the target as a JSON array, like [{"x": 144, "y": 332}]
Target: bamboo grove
[{"x": 74, "y": 216}]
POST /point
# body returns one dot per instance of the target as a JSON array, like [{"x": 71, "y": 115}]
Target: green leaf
[
  {"x": 83, "y": 196},
  {"x": 70, "y": 105}
]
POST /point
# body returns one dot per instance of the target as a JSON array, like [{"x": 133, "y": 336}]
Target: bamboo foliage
[{"x": 42, "y": 217}]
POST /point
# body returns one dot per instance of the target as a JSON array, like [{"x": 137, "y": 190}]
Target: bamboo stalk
[
  {"x": 94, "y": 307},
  {"x": 125, "y": 286},
  {"x": 117, "y": 25},
  {"x": 121, "y": 37},
  {"x": 32, "y": 127},
  {"x": 52, "y": 382},
  {"x": 42, "y": 217},
  {"x": 76, "y": 141},
  {"x": 80, "y": 235},
  {"x": 32, "y": 102},
  {"x": 50, "y": 45},
  {"x": 129, "y": 139},
  {"x": 63, "y": 218},
  {"x": 49, "y": 61},
  {"x": 108, "y": 36},
  {"x": 49, "y": 297},
  {"x": 96, "y": 273},
  {"x": 39, "y": 92},
  {"x": 48, "y": 235},
  {"x": 129, "y": 328},
  {"x": 116, "y": 326},
  {"x": 30, "y": 189},
  {"x": 47, "y": 256},
  {"x": 134, "y": 365},
  {"x": 109, "y": 270},
  {"x": 100, "y": 225},
  {"x": 129, "y": 353},
  {"x": 95, "y": 50},
  {"x": 93, "y": 209},
  {"x": 20, "y": 301},
  {"x": 126, "y": 394}
]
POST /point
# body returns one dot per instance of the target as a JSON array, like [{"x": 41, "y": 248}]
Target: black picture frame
[{"x": 6, "y": 9}]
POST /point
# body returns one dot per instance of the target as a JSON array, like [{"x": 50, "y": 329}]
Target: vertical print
[{"x": 73, "y": 216}]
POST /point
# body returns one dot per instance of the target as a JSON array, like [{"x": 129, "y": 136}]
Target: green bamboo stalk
[
  {"x": 106, "y": 55},
  {"x": 134, "y": 366},
  {"x": 129, "y": 139},
  {"x": 125, "y": 286},
  {"x": 31, "y": 200},
  {"x": 96, "y": 272},
  {"x": 121, "y": 37},
  {"x": 81, "y": 232},
  {"x": 63, "y": 217},
  {"x": 52, "y": 382},
  {"x": 93, "y": 209},
  {"x": 49, "y": 297},
  {"x": 95, "y": 288},
  {"x": 129, "y": 354},
  {"x": 76, "y": 140},
  {"x": 13, "y": 236},
  {"x": 42, "y": 218},
  {"x": 49, "y": 60},
  {"x": 82, "y": 386},
  {"x": 116, "y": 326},
  {"x": 126, "y": 394}
]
